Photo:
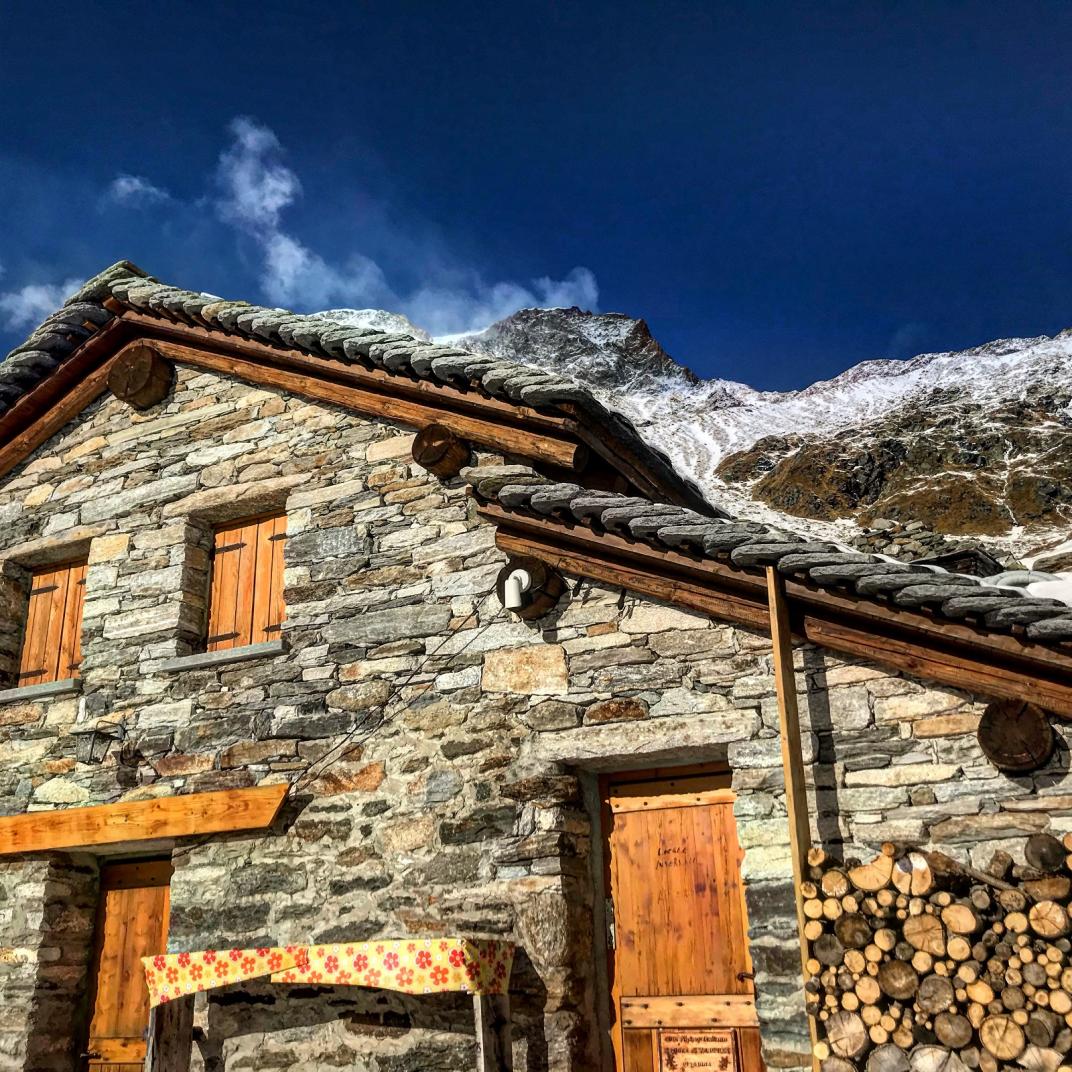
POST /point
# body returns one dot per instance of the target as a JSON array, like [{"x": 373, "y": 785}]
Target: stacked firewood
[{"x": 917, "y": 962}]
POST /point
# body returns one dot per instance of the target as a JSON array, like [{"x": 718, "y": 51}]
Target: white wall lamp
[{"x": 528, "y": 587}]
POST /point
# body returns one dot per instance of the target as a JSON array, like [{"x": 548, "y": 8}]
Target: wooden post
[
  {"x": 494, "y": 1052},
  {"x": 171, "y": 1037},
  {"x": 796, "y": 800}
]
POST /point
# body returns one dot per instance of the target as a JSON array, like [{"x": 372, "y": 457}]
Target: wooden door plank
[
  {"x": 647, "y": 800},
  {"x": 111, "y": 922},
  {"x": 144, "y": 820},
  {"x": 638, "y": 1051},
  {"x": 751, "y": 1049},
  {"x": 690, "y": 1010},
  {"x": 708, "y": 953}
]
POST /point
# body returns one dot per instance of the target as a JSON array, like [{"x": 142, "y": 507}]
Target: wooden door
[
  {"x": 132, "y": 922},
  {"x": 681, "y": 973}
]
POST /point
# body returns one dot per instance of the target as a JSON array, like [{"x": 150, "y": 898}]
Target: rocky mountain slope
[{"x": 976, "y": 442}]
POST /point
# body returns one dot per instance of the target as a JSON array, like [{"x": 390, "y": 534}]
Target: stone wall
[
  {"x": 442, "y": 751},
  {"x": 47, "y": 914}
]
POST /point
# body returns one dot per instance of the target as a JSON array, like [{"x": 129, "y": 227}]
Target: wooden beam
[
  {"x": 461, "y": 397},
  {"x": 494, "y": 1050},
  {"x": 796, "y": 797},
  {"x": 557, "y": 450},
  {"x": 949, "y": 653},
  {"x": 45, "y": 409},
  {"x": 162, "y": 818}
]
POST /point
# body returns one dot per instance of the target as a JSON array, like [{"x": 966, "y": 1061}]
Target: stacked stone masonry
[{"x": 444, "y": 752}]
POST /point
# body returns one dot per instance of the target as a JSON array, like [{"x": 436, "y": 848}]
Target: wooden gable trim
[
  {"x": 551, "y": 447},
  {"x": 949, "y": 653},
  {"x": 488, "y": 422},
  {"x": 162, "y": 818},
  {"x": 568, "y": 443},
  {"x": 59, "y": 398}
]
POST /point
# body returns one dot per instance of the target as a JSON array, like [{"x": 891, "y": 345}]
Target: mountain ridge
[{"x": 975, "y": 442}]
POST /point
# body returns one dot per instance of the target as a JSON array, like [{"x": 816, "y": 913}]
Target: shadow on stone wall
[
  {"x": 818, "y": 718},
  {"x": 265, "y": 1026}
]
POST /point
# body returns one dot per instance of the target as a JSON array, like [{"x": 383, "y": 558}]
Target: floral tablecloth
[
  {"x": 412, "y": 966},
  {"x": 174, "y": 975}
]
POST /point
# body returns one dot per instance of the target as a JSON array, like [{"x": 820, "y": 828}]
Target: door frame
[
  {"x": 607, "y": 780},
  {"x": 138, "y": 872}
]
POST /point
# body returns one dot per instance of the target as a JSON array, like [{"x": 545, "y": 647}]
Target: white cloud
[
  {"x": 135, "y": 190},
  {"x": 256, "y": 187},
  {"x": 29, "y": 305},
  {"x": 253, "y": 188}
]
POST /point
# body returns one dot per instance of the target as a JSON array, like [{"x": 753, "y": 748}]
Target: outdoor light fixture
[
  {"x": 517, "y": 584},
  {"x": 528, "y": 587},
  {"x": 92, "y": 742}
]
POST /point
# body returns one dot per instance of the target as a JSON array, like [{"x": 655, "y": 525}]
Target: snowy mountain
[
  {"x": 375, "y": 318},
  {"x": 976, "y": 442}
]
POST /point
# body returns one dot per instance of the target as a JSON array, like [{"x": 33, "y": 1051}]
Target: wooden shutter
[
  {"x": 52, "y": 642},
  {"x": 132, "y": 923},
  {"x": 246, "y": 602}
]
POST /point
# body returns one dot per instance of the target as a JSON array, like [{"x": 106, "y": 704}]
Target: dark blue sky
[{"x": 781, "y": 189}]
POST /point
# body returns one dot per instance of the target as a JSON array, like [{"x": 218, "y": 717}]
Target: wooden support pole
[
  {"x": 494, "y": 1052},
  {"x": 170, "y": 1039},
  {"x": 796, "y": 800}
]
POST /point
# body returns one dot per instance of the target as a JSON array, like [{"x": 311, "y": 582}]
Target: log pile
[{"x": 920, "y": 964}]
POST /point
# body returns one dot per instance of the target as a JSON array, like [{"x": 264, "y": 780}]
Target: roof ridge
[{"x": 395, "y": 352}]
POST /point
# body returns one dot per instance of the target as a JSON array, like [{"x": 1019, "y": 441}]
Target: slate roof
[
  {"x": 996, "y": 603},
  {"x": 999, "y": 604},
  {"x": 400, "y": 354}
]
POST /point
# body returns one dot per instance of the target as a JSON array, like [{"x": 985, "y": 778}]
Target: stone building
[{"x": 450, "y": 767}]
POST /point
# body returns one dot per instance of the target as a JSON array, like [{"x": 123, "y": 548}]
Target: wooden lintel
[
  {"x": 949, "y": 653},
  {"x": 162, "y": 818}
]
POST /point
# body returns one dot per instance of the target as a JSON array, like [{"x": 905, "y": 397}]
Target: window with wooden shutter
[
  {"x": 246, "y": 601},
  {"x": 52, "y": 641}
]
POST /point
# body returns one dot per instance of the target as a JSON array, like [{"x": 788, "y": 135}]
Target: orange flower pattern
[
  {"x": 421, "y": 966},
  {"x": 174, "y": 975}
]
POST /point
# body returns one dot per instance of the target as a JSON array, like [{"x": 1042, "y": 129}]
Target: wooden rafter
[
  {"x": 949, "y": 653},
  {"x": 162, "y": 818}
]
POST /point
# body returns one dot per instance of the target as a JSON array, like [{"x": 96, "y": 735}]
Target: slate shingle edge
[
  {"x": 84, "y": 313},
  {"x": 997, "y": 607}
]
